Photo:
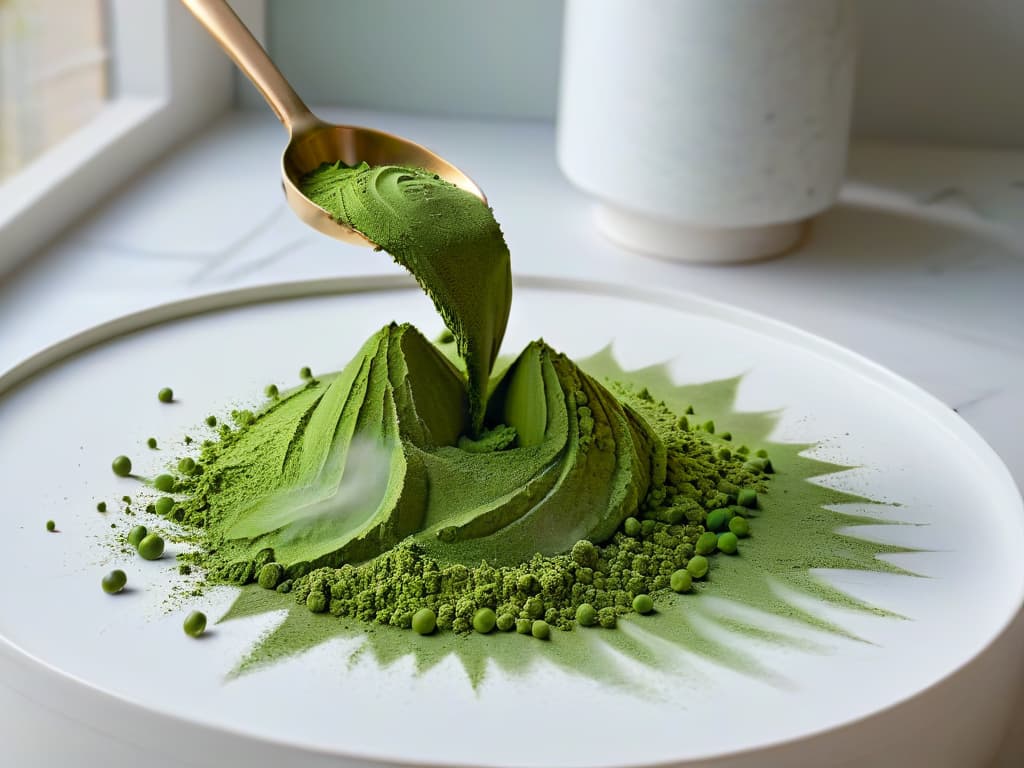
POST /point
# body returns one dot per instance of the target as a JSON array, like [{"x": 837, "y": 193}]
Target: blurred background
[
  {"x": 92, "y": 89},
  {"x": 937, "y": 71},
  {"x": 930, "y": 70}
]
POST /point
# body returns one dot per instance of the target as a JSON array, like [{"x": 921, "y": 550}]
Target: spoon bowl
[
  {"x": 325, "y": 143},
  {"x": 314, "y": 142}
]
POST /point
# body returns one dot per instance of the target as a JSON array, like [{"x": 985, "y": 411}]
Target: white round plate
[{"x": 121, "y": 668}]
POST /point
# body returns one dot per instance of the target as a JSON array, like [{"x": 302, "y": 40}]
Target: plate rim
[{"x": 756, "y": 322}]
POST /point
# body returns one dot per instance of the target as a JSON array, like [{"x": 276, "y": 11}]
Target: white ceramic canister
[{"x": 708, "y": 130}]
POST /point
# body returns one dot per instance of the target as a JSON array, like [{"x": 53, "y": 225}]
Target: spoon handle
[{"x": 235, "y": 38}]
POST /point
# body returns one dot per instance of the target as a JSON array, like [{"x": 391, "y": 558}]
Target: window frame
[{"x": 168, "y": 80}]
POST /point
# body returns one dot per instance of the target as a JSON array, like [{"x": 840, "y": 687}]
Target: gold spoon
[{"x": 313, "y": 141}]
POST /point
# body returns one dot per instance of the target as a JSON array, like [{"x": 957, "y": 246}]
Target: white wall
[
  {"x": 487, "y": 57},
  {"x": 942, "y": 70},
  {"x": 948, "y": 71}
]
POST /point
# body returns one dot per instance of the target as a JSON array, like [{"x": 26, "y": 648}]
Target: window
[
  {"x": 53, "y": 74},
  {"x": 90, "y": 92}
]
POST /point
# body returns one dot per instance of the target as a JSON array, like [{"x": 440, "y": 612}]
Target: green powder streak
[
  {"x": 446, "y": 237},
  {"x": 342, "y": 470}
]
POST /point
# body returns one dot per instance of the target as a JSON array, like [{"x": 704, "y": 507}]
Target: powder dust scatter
[{"x": 790, "y": 533}]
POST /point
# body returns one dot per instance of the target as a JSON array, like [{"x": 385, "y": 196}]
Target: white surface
[
  {"x": 678, "y": 242},
  {"x": 861, "y": 414},
  {"x": 708, "y": 114},
  {"x": 922, "y": 274}
]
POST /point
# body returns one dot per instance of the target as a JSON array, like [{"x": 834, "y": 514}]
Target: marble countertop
[{"x": 920, "y": 267}]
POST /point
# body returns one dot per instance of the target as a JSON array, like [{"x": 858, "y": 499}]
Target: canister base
[{"x": 676, "y": 241}]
